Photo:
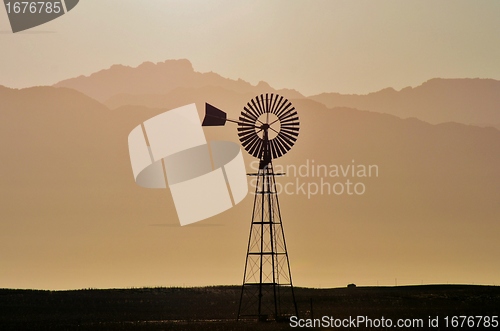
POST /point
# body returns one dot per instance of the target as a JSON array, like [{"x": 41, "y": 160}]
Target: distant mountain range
[
  {"x": 70, "y": 204},
  {"x": 160, "y": 78},
  {"x": 467, "y": 101}
]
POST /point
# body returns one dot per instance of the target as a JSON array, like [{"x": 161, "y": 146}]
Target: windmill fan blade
[
  {"x": 213, "y": 116},
  {"x": 278, "y": 105},
  {"x": 280, "y": 108},
  {"x": 246, "y": 122},
  {"x": 267, "y": 109},
  {"x": 245, "y": 127},
  {"x": 261, "y": 103},
  {"x": 256, "y": 147},
  {"x": 255, "y": 107},
  {"x": 285, "y": 144},
  {"x": 246, "y": 135},
  {"x": 290, "y": 128},
  {"x": 276, "y": 148},
  {"x": 249, "y": 113},
  {"x": 290, "y": 132},
  {"x": 273, "y": 104},
  {"x": 269, "y": 101},
  {"x": 249, "y": 142},
  {"x": 292, "y": 123},
  {"x": 284, "y": 109},
  {"x": 287, "y": 138},
  {"x": 284, "y": 148},
  {"x": 290, "y": 120},
  {"x": 287, "y": 114},
  {"x": 245, "y": 130}
]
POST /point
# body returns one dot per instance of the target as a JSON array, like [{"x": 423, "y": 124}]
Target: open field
[{"x": 215, "y": 308}]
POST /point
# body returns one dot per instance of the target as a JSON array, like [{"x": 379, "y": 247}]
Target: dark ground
[{"x": 215, "y": 308}]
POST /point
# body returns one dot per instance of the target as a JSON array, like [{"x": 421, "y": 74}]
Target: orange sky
[{"x": 311, "y": 46}]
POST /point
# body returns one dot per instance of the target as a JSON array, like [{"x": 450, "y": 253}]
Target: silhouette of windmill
[{"x": 267, "y": 128}]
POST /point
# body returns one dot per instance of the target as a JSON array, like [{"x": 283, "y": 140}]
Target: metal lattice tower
[
  {"x": 267, "y": 289},
  {"x": 268, "y": 128}
]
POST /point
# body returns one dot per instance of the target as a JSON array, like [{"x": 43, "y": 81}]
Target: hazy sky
[
  {"x": 310, "y": 46},
  {"x": 87, "y": 239}
]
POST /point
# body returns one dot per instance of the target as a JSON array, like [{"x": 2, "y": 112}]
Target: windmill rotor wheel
[{"x": 268, "y": 119}]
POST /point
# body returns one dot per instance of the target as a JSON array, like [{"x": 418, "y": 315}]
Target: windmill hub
[{"x": 269, "y": 123}]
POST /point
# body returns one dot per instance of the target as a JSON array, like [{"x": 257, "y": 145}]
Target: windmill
[{"x": 268, "y": 127}]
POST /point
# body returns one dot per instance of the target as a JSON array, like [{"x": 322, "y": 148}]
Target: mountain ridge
[
  {"x": 473, "y": 101},
  {"x": 155, "y": 78}
]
